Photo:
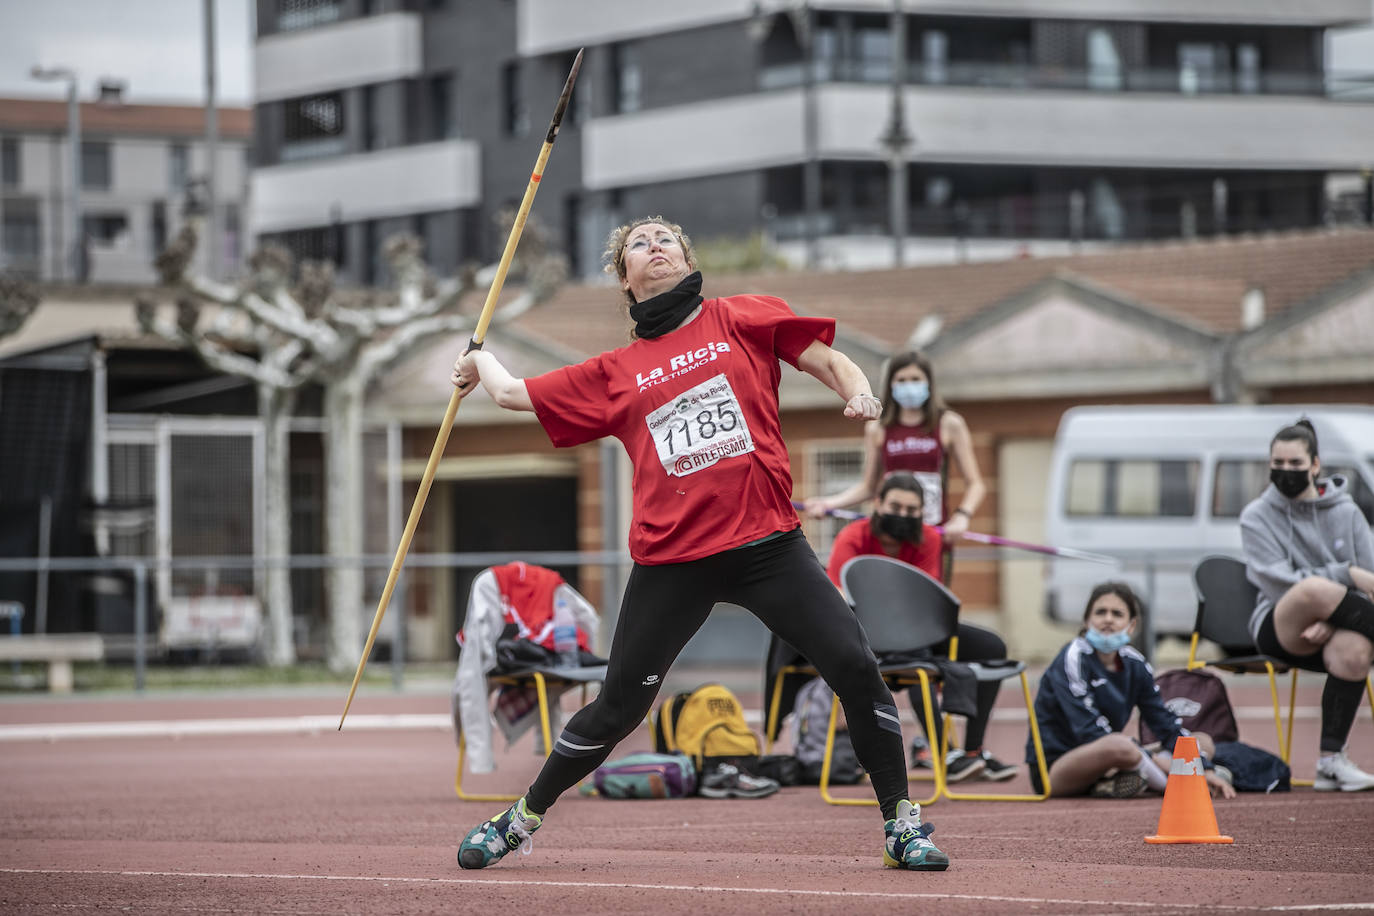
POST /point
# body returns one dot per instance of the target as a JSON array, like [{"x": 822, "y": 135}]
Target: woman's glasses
[{"x": 642, "y": 243}]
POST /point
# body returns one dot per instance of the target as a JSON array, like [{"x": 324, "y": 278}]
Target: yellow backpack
[{"x": 705, "y": 724}]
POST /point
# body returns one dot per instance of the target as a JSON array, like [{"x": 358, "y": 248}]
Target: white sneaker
[{"x": 1337, "y": 772}]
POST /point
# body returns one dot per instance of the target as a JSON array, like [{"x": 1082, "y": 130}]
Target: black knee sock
[
  {"x": 1340, "y": 704},
  {"x": 1355, "y": 612}
]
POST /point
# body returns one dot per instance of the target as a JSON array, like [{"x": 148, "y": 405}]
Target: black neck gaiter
[{"x": 660, "y": 314}]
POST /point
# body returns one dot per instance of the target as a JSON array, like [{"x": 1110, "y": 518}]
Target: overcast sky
[{"x": 156, "y": 47}]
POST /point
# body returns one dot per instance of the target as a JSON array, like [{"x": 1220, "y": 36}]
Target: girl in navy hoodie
[
  {"x": 1309, "y": 551},
  {"x": 1086, "y": 698}
]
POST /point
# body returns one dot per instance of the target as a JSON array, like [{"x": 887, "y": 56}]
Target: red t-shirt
[
  {"x": 857, "y": 539},
  {"x": 697, "y": 411}
]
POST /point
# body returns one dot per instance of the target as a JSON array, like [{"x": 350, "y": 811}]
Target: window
[
  {"x": 305, "y": 14},
  {"x": 516, "y": 115},
  {"x": 374, "y": 130},
  {"x": 1235, "y": 484},
  {"x": 833, "y": 469},
  {"x": 934, "y": 56},
  {"x": 1202, "y": 67},
  {"x": 629, "y": 79},
  {"x": 159, "y": 225},
  {"x": 319, "y": 244},
  {"x": 1104, "y": 61},
  {"x": 9, "y": 162},
  {"x": 1114, "y": 488},
  {"x": 95, "y": 165},
  {"x": 105, "y": 227},
  {"x": 19, "y": 237},
  {"x": 1239, "y": 481},
  {"x": 132, "y": 469},
  {"x": 178, "y": 166},
  {"x": 314, "y": 127},
  {"x": 1248, "y": 69},
  {"x": 439, "y": 97}
]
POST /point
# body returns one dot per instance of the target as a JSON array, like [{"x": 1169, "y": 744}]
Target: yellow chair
[
  {"x": 1225, "y": 600},
  {"x": 902, "y": 603},
  {"x": 541, "y": 678}
]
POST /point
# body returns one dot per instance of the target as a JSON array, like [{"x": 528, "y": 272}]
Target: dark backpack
[
  {"x": 1199, "y": 700},
  {"x": 1253, "y": 769}
]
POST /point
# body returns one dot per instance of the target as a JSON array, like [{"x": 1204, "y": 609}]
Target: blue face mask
[
  {"x": 911, "y": 394},
  {"x": 1107, "y": 642}
]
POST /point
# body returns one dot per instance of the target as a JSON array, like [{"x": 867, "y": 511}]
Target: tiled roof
[
  {"x": 1199, "y": 282},
  {"x": 157, "y": 120}
]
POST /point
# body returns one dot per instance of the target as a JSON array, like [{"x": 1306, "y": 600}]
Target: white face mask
[
  {"x": 911, "y": 394},
  {"x": 1107, "y": 642}
]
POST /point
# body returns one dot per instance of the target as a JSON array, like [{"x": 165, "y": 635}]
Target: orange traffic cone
[{"x": 1187, "y": 815}]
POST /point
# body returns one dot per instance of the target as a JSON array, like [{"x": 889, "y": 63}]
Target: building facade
[
  {"x": 141, "y": 166},
  {"x": 1031, "y": 127}
]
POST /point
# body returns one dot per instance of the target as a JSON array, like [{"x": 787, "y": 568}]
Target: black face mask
[
  {"x": 901, "y": 527},
  {"x": 1290, "y": 483}
]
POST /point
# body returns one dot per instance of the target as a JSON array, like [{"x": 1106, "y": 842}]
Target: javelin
[
  {"x": 1066, "y": 552},
  {"x": 475, "y": 343}
]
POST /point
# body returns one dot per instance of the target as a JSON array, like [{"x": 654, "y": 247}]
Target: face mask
[
  {"x": 1290, "y": 483},
  {"x": 911, "y": 394},
  {"x": 1107, "y": 642},
  {"x": 901, "y": 527}
]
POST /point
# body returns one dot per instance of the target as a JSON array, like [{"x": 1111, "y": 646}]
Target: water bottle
[{"x": 564, "y": 633}]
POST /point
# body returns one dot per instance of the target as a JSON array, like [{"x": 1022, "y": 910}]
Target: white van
[{"x": 1161, "y": 487}]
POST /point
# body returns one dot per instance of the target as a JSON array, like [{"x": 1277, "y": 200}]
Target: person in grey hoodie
[{"x": 1309, "y": 551}]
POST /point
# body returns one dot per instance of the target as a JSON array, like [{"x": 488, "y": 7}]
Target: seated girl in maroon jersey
[{"x": 694, "y": 400}]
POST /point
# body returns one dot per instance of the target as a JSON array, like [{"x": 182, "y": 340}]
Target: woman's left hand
[
  {"x": 863, "y": 407},
  {"x": 1219, "y": 787},
  {"x": 954, "y": 526}
]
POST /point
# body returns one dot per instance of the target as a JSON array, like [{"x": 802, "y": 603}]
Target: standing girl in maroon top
[
  {"x": 915, "y": 432},
  {"x": 694, "y": 400}
]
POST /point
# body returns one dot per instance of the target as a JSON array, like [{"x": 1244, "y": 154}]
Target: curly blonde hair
[{"x": 613, "y": 257}]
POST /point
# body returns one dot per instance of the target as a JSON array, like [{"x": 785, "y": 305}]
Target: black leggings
[
  {"x": 975, "y": 645},
  {"x": 782, "y": 584},
  {"x": 1340, "y": 698}
]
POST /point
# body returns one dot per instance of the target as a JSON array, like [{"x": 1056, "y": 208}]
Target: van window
[
  {"x": 1239, "y": 482},
  {"x": 1236, "y": 484},
  {"x": 1147, "y": 488}
]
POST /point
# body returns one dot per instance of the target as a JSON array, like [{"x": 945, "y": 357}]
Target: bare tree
[
  {"x": 283, "y": 338},
  {"x": 18, "y": 300}
]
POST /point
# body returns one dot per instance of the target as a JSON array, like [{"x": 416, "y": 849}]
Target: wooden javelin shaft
[{"x": 478, "y": 335}]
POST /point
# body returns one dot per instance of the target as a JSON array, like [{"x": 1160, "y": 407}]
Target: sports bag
[
  {"x": 810, "y": 721},
  {"x": 707, "y": 724},
  {"x": 644, "y": 776},
  {"x": 1253, "y": 769},
  {"x": 1200, "y": 700}
]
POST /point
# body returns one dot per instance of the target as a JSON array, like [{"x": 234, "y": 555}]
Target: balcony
[
  {"x": 984, "y": 125},
  {"x": 356, "y": 52},
  {"x": 411, "y": 179}
]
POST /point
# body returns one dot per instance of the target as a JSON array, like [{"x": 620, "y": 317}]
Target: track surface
[{"x": 366, "y": 822}]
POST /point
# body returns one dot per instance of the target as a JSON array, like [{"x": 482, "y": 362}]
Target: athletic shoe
[
  {"x": 908, "y": 842},
  {"x": 960, "y": 766},
  {"x": 920, "y": 754},
  {"x": 1126, "y": 784},
  {"x": 492, "y": 839},
  {"x": 997, "y": 771},
  {"x": 1337, "y": 772},
  {"x": 728, "y": 781}
]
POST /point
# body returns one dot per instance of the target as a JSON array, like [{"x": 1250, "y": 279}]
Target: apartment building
[
  {"x": 1031, "y": 126},
  {"x": 140, "y": 167}
]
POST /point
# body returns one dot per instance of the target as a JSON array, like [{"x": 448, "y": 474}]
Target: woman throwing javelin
[{"x": 694, "y": 400}]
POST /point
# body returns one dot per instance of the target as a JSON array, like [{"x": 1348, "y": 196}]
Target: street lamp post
[
  {"x": 896, "y": 140},
  {"x": 72, "y": 233}
]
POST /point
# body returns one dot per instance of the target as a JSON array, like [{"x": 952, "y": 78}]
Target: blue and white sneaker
[
  {"x": 492, "y": 839},
  {"x": 908, "y": 842}
]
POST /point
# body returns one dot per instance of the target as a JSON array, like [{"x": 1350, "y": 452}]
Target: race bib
[
  {"x": 934, "y": 496},
  {"x": 700, "y": 427}
]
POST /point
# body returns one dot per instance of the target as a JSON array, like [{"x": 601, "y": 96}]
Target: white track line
[
  {"x": 183, "y": 728},
  {"x": 313, "y": 725},
  {"x": 784, "y": 891}
]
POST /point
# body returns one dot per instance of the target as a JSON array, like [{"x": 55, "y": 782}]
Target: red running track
[{"x": 367, "y": 822}]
